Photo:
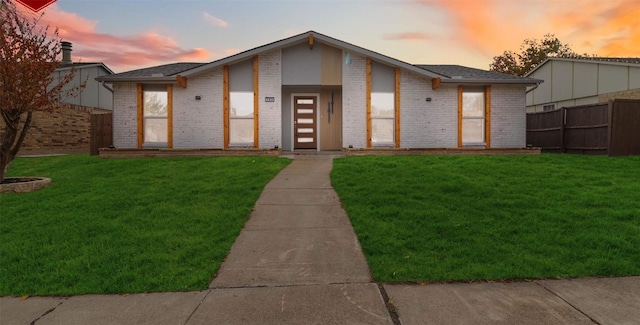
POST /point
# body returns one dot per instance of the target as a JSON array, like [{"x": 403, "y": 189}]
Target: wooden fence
[
  {"x": 600, "y": 129},
  {"x": 101, "y": 132}
]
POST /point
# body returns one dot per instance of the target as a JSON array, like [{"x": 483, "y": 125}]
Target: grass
[
  {"x": 128, "y": 225},
  {"x": 464, "y": 218}
]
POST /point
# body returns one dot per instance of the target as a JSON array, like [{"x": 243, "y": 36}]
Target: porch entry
[{"x": 305, "y": 126}]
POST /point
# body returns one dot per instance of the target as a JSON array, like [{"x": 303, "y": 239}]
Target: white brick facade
[
  {"x": 270, "y": 113},
  {"x": 508, "y": 117},
  {"x": 354, "y": 102},
  {"x": 198, "y": 123},
  {"x": 125, "y": 115},
  {"x": 425, "y": 124}
]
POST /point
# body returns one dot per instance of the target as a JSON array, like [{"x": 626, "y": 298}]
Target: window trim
[
  {"x": 486, "y": 128},
  {"x": 396, "y": 103},
  {"x": 226, "y": 107},
  {"x": 250, "y": 116},
  {"x": 141, "y": 117},
  {"x": 391, "y": 118}
]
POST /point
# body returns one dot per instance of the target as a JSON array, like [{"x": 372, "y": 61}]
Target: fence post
[
  {"x": 563, "y": 122},
  {"x": 610, "y": 109}
]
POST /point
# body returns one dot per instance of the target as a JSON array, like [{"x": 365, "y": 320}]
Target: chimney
[{"x": 66, "y": 53}]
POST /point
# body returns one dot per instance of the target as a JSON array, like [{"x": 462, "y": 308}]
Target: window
[
  {"x": 382, "y": 119},
  {"x": 241, "y": 118},
  {"x": 473, "y": 117},
  {"x": 550, "y": 107},
  {"x": 155, "y": 112}
]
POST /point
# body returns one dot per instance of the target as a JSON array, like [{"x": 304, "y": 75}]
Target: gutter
[
  {"x": 491, "y": 81},
  {"x": 163, "y": 80}
]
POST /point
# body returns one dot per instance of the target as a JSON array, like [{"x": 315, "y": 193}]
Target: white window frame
[
  {"x": 241, "y": 98},
  {"x": 162, "y": 92},
  {"x": 469, "y": 117},
  {"x": 386, "y": 99}
]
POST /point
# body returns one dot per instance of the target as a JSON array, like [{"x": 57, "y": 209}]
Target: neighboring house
[
  {"x": 68, "y": 129},
  {"x": 571, "y": 82},
  {"x": 311, "y": 91},
  {"x": 94, "y": 94}
]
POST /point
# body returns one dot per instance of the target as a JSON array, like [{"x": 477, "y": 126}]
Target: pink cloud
[
  {"x": 411, "y": 36},
  {"x": 120, "y": 53},
  {"x": 214, "y": 20}
]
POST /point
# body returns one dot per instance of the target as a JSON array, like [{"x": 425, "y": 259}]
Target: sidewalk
[{"x": 298, "y": 261}]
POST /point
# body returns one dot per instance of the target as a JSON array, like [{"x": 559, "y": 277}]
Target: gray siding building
[{"x": 572, "y": 82}]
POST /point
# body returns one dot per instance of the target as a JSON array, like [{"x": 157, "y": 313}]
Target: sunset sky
[{"x": 131, "y": 34}]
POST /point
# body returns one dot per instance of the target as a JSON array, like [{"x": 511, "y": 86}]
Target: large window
[
  {"x": 241, "y": 118},
  {"x": 155, "y": 110},
  {"x": 473, "y": 117},
  {"x": 382, "y": 119}
]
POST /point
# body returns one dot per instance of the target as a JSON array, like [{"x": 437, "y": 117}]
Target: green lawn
[
  {"x": 125, "y": 225},
  {"x": 448, "y": 218}
]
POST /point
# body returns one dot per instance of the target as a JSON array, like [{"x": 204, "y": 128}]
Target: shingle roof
[
  {"x": 448, "y": 73},
  {"x": 454, "y": 71},
  {"x": 161, "y": 70}
]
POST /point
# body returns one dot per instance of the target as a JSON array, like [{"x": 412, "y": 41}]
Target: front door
[{"x": 304, "y": 122}]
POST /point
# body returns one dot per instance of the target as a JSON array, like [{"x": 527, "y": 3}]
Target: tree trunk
[
  {"x": 9, "y": 147},
  {"x": 5, "y": 150}
]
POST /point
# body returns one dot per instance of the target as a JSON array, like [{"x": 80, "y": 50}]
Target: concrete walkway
[{"x": 298, "y": 261}]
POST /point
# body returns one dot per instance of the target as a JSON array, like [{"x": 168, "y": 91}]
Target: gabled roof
[
  {"x": 455, "y": 73},
  {"x": 627, "y": 62},
  {"x": 83, "y": 65},
  {"x": 167, "y": 73},
  {"x": 317, "y": 37}
]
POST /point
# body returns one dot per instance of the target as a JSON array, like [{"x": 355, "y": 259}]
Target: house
[
  {"x": 94, "y": 94},
  {"x": 68, "y": 129},
  {"x": 312, "y": 91},
  {"x": 572, "y": 82}
]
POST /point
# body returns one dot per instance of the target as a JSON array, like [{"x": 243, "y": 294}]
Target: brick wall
[
  {"x": 125, "y": 115},
  {"x": 270, "y": 113},
  {"x": 354, "y": 102},
  {"x": 508, "y": 116},
  {"x": 198, "y": 123},
  {"x": 425, "y": 124},
  {"x": 65, "y": 130},
  {"x": 625, "y": 94}
]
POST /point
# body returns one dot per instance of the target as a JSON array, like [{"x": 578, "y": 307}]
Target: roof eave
[
  {"x": 492, "y": 81},
  {"x": 150, "y": 80},
  {"x": 246, "y": 54},
  {"x": 86, "y": 66}
]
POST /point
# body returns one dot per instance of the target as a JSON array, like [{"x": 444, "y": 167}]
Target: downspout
[
  {"x": 111, "y": 89},
  {"x": 530, "y": 90}
]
